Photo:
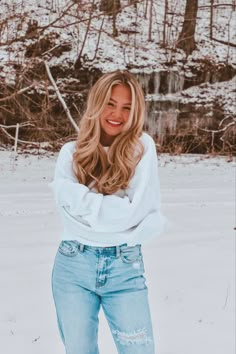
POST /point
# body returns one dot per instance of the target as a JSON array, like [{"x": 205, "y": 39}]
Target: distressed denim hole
[{"x": 136, "y": 337}]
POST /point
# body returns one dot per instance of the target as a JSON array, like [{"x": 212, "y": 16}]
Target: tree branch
[
  {"x": 60, "y": 97},
  {"x": 224, "y": 42},
  {"x": 16, "y": 93},
  {"x": 18, "y": 140}
]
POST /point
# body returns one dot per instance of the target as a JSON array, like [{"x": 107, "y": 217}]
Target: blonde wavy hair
[{"x": 113, "y": 170}]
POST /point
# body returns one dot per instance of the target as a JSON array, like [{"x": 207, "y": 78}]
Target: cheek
[
  {"x": 102, "y": 118},
  {"x": 126, "y": 116},
  {"x": 105, "y": 114}
]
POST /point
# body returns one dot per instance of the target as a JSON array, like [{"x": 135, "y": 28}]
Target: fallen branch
[
  {"x": 56, "y": 46},
  {"x": 16, "y": 93},
  {"x": 219, "y": 130},
  {"x": 222, "y": 130},
  {"x": 227, "y": 117},
  {"x": 224, "y": 42},
  {"x": 18, "y": 140},
  {"x": 23, "y": 124},
  {"x": 60, "y": 97},
  {"x": 16, "y": 137}
]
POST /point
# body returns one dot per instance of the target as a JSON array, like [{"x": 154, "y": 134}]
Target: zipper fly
[{"x": 102, "y": 270}]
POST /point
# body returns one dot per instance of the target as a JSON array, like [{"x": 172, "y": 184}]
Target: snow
[
  {"x": 132, "y": 49},
  {"x": 189, "y": 269}
]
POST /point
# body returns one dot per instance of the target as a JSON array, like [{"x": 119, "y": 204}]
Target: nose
[{"x": 117, "y": 113}]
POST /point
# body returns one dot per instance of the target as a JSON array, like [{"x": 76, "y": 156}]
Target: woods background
[{"x": 182, "y": 52}]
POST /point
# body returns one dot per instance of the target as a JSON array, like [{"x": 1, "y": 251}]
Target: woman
[{"x": 107, "y": 191}]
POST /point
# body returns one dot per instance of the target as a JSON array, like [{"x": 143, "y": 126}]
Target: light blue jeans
[{"x": 85, "y": 278}]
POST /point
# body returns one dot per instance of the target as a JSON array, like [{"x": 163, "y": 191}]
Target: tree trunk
[
  {"x": 114, "y": 14},
  {"x": 133, "y": 2},
  {"x": 150, "y": 21},
  {"x": 211, "y": 18},
  {"x": 186, "y": 40},
  {"x": 165, "y": 23},
  {"x": 78, "y": 60},
  {"x": 111, "y": 8}
]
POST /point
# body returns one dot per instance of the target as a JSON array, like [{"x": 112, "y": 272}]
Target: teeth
[{"x": 112, "y": 122}]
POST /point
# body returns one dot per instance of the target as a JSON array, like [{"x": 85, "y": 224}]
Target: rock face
[
  {"x": 185, "y": 115},
  {"x": 165, "y": 82},
  {"x": 197, "y": 120}
]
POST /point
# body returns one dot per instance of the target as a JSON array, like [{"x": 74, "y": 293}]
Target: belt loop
[
  {"x": 117, "y": 251},
  {"x": 81, "y": 247},
  {"x": 140, "y": 249}
]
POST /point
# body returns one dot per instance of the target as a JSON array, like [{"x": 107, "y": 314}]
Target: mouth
[{"x": 114, "y": 123}]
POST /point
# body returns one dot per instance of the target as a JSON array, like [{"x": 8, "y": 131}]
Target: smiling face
[{"x": 115, "y": 114}]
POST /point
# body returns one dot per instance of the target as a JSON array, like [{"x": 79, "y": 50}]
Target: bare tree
[
  {"x": 186, "y": 40},
  {"x": 111, "y": 7},
  {"x": 165, "y": 23},
  {"x": 150, "y": 21},
  {"x": 211, "y": 18},
  {"x": 146, "y": 9},
  {"x": 133, "y": 2},
  {"x": 86, "y": 33},
  {"x": 115, "y": 8}
]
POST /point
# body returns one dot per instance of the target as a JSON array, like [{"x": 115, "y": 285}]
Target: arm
[{"x": 109, "y": 212}]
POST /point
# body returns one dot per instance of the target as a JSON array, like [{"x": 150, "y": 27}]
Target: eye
[
  {"x": 110, "y": 104},
  {"x": 127, "y": 108}
]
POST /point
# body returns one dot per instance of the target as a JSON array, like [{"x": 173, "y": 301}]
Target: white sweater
[{"x": 129, "y": 216}]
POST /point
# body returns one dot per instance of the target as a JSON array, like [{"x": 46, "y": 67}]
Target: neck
[{"x": 106, "y": 140}]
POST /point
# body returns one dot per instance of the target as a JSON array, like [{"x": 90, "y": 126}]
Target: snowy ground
[{"x": 189, "y": 270}]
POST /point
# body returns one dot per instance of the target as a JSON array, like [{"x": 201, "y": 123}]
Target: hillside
[{"x": 82, "y": 39}]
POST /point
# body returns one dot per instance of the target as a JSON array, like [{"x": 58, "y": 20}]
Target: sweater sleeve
[{"x": 109, "y": 213}]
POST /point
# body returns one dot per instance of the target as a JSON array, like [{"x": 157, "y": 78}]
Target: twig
[
  {"x": 16, "y": 93},
  {"x": 219, "y": 130},
  {"x": 18, "y": 140},
  {"x": 24, "y": 124},
  {"x": 56, "y": 46},
  {"x": 226, "y": 298},
  {"x": 16, "y": 137},
  {"x": 60, "y": 97},
  {"x": 227, "y": 117},
  {"x": 224, "y": 42}
]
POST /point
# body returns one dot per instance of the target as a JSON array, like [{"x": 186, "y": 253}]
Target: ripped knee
[{"x": 136, "y": 337}]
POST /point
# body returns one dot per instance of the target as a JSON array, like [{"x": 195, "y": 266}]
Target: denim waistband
[{"x": 110, "y": 250}]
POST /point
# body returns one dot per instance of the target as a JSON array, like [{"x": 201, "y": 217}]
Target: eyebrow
[{"x": 125, "y": 104}]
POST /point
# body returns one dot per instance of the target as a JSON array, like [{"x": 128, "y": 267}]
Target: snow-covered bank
[{"x": 190, "y": 269}]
